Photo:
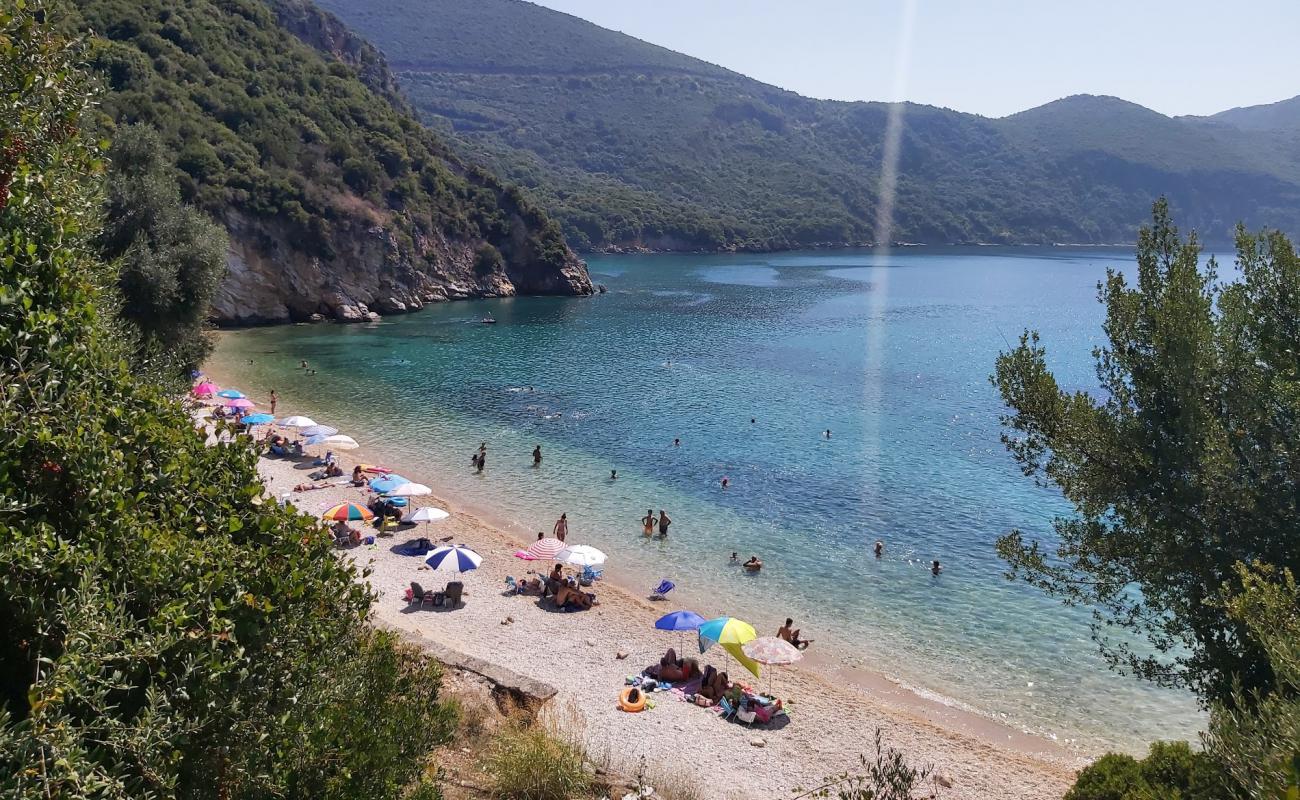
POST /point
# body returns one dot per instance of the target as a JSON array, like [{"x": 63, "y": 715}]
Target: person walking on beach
[
  {"x": 537, "y": 455},
  {"x": 562, "y": 527},
  {"x": 273, "y": 402},
  {"x": 648, "y": 522},
  {"x": 664, "y": 522}
]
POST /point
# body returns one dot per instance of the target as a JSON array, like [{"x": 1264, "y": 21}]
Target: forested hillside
[
  {"x": 633, "y": 145},
  {"x": 336, "y": 200}
]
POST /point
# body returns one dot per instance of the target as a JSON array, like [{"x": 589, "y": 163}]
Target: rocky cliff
[{"x": 289, "y": 130}]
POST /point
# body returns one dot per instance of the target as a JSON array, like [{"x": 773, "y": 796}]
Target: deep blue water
[{"x": 892, "y": 354}]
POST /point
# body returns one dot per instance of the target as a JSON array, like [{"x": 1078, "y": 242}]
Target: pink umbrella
[
  {"x": 206, "y": 389},
  {"x": 240, "y": 402},
  {"x": 542, "y": 549}
]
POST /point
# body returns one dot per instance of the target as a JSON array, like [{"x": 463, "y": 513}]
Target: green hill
[
  {"x": 1283, "y": 115},
  {"x": 337, "y": 201},
  {"x": 633, "y": 145}
]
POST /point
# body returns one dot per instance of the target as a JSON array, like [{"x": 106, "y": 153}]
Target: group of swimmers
[
  {"x": 752, "y": 565},
  {"x": 879, "y": 550}
]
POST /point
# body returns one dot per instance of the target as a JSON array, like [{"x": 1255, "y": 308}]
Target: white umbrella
[
  {"x": 410, "y": 490},
  {"x": 581, "y": 555},
  {"x": 428, "y": 514},
  {"x": 297, "y": 422},
  {"x": 341, "y": 442}
]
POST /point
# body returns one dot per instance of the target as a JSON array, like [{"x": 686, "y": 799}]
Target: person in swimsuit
[
  {"x": 753, "y": 564},
  {"x": 677, "y": 442},
  {"x": 613, "y": 474},
  {"x": 274, "y": 399},
  {"x": 735, "y": 559},
  {"x": 561, "y": 527},
  {"x": 537, "y": 455},
  {"x": 880, "y": 548},
  {"x": 725, "y": 481},
  {"x": 790, "y": 635},
  {"x": 648, "y": 522},
  {"x": 935, "y": 569},
  {"x": 664, "y": 522}
]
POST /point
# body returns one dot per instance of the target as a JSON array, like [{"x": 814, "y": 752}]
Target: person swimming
[
  {"x": 935, "y": 569},
  {"x": 677, "y": 442},
  {"x": 735, "y": 559},
  {"x": 753, "y": 564},
  {"x": 879, "y": 549},
  {"x": 613, "y": 474},
  {"x": 725, "y": 481},
  {"x": 827, "y": 433}
]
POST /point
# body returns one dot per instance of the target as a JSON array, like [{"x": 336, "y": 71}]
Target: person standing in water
[
  {"x": 537, "y": 455},
  {"x": 561, "y": 527},
  {"x": 648, "y": 522},
  {"x": 664, "y": 522},
  {"x": 827, "y": 433},
  {"x": 879, "y": 548},
  {"x": 935, "y": 569},
  {"x": 274, "y": 399},
  {"x": 480, "y": 461},
  {"x": 613, "y": 474}
]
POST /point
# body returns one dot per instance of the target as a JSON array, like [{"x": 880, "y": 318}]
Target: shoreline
[{"x": 982, "y": 757}]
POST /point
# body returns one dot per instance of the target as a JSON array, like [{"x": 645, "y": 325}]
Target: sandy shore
[{"x": 835, "y": 712}]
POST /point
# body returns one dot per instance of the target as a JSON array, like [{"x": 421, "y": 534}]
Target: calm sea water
[{"x": 890, "y": 353}]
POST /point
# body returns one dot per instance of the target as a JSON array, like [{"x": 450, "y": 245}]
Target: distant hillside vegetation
[
  {"x": 633, "y": 145},
  {"x": 1283, "y": 115},
  {"x": 337, "y": 201}
]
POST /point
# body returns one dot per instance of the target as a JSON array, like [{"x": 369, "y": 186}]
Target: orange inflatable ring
[{"x": 625, "y": 701}]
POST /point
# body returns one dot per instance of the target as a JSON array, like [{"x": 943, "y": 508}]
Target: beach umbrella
[
  {"x": 348, "y": 511},
  {"x": 387, "y": 483},
  {"x": 772, "y": 651},
  {"x": 337, "y": 441},
  {"x": 256, "y": 419},
  {"x": 731, "y": 633},
  {"x": 238, "y": 402},
  {"x": 541, "y": 550},
  {"x": 233, "y": 394},
  {"x": 206, "y": 389},
  {"x": 410, "y": 490},
  {"x": 428, "y": 514},
  {"x": 297, "y": 422},
  {"x": 581, "y": 555},
  {"x": 453, "y": 558},
  {"x": 317, "y": 430},
  {"x": 679, "y": 621}
]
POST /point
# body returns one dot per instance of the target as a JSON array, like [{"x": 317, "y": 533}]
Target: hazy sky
[{"x": 991, "y": 57}]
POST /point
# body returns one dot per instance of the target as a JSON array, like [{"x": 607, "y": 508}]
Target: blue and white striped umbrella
[{"x": 453, "y": 558}]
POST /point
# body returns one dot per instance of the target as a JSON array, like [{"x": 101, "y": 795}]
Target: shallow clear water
[{"x": 890, "y": 353}]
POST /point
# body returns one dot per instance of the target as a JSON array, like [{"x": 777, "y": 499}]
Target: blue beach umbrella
[
  {"x": 387, "y": 483},
  {"x": 256, "y": 419},
  {"x": 231, "y": 394},
  {"x": 453, "y": 558},
  {"x": 317, "y": 430},
  {"x": 679, "y": 621}
]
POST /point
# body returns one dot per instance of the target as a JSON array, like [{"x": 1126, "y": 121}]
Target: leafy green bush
[
  {"x": 1171, "y": 771},
  {"x": 165, "y": 631}
]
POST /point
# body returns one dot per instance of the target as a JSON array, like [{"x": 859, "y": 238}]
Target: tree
[
  {"x": 165, "y": 632},
  {"x": 170, "y": 257},
  {"x": 1185, "y": 465},
  {"x": 1256, "y": 739}
]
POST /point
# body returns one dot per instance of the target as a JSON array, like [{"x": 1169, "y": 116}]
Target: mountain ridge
[{"x": 634, "y": 153}]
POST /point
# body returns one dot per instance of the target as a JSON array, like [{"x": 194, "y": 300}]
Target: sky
[{"x": 991, "y": 57}]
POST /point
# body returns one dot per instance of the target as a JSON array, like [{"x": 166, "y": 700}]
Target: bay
[{"x": 748, "y": 361}]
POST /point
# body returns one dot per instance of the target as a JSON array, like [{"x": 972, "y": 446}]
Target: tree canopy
[
  {"x": 1185, "y": 464},
  {"x": 166, "y": 632}
]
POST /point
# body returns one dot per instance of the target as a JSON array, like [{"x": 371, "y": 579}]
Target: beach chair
[
  {"x": 451, "y": 595},
  {"x": 661, "y": 591},
  {"x": 728, "y": 710},
  {"x": 419, "y": 595},
  {"x": 590, "y": 575},
  {"x": 745, "y": 713}
]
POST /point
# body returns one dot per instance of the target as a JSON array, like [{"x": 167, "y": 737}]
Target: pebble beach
[{"x": 587, "y": 655}]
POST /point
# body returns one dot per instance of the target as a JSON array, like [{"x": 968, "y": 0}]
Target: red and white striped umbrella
[{"x": 542, "y": 550}]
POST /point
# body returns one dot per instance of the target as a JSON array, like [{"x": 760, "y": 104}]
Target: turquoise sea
[{"x": 891, "y": 353}]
